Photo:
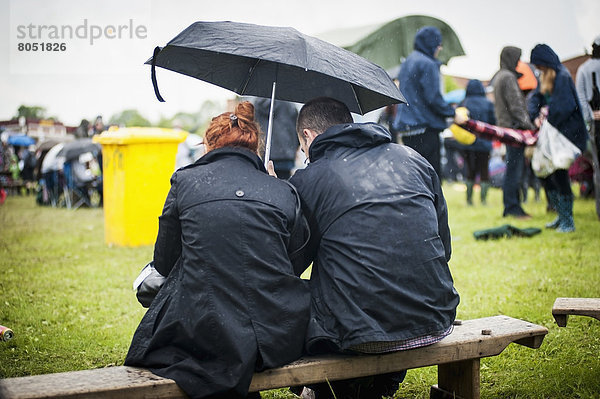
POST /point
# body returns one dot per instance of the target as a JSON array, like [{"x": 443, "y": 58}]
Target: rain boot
[
  {"x": 565, "y": 212},
  {"x": 470, "y": 185},
  {"x": 485, "y": 186},
  {"x": 552, "y": 197}
]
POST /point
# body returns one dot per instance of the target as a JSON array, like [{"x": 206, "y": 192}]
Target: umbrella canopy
[
  {"x": 52, "y": 161},
  {"x": 20, "y": 140},
  {"x": 455, "y": 96},
  {"x": 74, "y": 149},
  {"x": 248, "y": 59},
  {"x": 389, "y": 45}
]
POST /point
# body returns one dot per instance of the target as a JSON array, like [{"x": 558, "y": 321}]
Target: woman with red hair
[{"x": 232, "y": 302}]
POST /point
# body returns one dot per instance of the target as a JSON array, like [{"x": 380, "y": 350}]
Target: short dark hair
[{"x": 321, "y": 113}]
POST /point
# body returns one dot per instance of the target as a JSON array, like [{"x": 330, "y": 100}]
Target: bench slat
[
  {"x": 465, "y": 343},
  {"x": 111, "y": 382},
  {"x": 563, "y": 307}
]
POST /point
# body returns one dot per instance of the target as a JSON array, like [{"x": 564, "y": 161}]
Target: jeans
[
  {"x": 428, "y": 145},
  {"x": 515, "y": 160}
]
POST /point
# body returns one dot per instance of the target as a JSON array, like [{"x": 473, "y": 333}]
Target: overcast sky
[{"x": 105, "y": 75}]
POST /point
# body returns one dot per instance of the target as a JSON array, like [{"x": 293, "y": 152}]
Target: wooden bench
[
  {"x": 563, "y": 307},
  {"x": 457, "y": 357}
]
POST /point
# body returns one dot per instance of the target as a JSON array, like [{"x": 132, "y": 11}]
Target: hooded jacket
[
  {"x": 510, "y": 105},
  {"x": 380, "y": 240},
  {"x": 232, "y": 302},
  {"x": 480, "y": 109},
  {"x": 284, "y": 140},
  {"x": 419, "y": 79},
  {"x": 564, "y": 110}
]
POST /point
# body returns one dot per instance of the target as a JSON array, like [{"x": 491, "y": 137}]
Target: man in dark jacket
[
  {"x": 511, "y": 111},
  {"x": 379, "y": 244},
  {"x": 420, "y": 122},
  {"x": 284, "y": 141}
]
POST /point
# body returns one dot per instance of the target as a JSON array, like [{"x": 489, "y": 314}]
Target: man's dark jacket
[
  {"x": 284, "y": 140},
  {"x": 232, "y": 303},
  {"x": 380, "y": 240}
]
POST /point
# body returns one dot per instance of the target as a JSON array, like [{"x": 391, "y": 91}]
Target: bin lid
[{"x": 133, "y": 135}]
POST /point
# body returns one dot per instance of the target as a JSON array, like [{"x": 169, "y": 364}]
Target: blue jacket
[
  {"x": 420, "y": 83},
  {"x": 480, "y": 109},
  {"x": 564, "y": 110}
]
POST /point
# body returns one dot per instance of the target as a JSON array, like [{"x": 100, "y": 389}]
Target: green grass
[{"x": 68, "y": 296}]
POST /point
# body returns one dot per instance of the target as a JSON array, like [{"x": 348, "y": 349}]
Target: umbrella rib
[
  {"x": 249, "y": 76},
  {"x": 356, "y": 98}
]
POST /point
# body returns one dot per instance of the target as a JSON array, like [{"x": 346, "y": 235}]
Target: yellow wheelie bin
[{"x": 137, "y": 165}]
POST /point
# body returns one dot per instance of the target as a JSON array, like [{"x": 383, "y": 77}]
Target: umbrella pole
[{"x": 269, "y": 128}]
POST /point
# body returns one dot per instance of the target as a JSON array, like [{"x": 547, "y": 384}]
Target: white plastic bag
[{"x": 552, "y": 151}]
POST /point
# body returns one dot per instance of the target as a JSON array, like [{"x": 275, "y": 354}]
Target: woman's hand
[{"x": 271, "y": 169}]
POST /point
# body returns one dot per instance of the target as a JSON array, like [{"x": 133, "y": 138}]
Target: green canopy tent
[{"x": 389, "y": 45}]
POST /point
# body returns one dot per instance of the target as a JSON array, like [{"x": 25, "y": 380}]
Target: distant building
[{"x": 39, "y": 129}]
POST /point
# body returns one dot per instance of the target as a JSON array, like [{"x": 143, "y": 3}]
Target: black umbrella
[
  {"x": 275, "y": 62},
  {"x": 73, "y": 149}
]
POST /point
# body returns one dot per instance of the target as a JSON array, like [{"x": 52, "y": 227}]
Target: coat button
[{"x": 239, "y": 193}]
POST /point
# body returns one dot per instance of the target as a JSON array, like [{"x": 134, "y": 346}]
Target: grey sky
[{"x": 109, "y": 75}]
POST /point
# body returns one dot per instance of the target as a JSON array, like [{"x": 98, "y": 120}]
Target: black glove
[{"x": 150, "y": 284}]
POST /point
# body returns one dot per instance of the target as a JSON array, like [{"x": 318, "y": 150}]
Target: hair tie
[{"x": 233, "y": 118}]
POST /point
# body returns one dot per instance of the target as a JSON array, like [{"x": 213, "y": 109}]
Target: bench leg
[
  {"x": 561, "y": 319},
  {"x": 457, "y": 380}
]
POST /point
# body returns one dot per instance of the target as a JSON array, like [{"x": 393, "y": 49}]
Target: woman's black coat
[{"x": 232, "y": 302}]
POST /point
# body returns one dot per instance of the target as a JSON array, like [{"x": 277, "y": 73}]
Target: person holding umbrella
[
  {"x": 380, "y": 243},
  {"x": 232, "y": 302}
]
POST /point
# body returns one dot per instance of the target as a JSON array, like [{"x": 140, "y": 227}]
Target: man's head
[{"x": 318, "y": 115}]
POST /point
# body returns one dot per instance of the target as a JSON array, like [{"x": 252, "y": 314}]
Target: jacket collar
[
  {"x": 353, "y": 135},
  {"x": 225, "y": 152}
]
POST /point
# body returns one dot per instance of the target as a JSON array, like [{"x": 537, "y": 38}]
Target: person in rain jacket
[
  {"x": 420, "y": 122},
  {"x": 557, "y": 91},
  {"x": 232, "y": 302},
  {"x": 511, "y": 112},
  {"x": 477, "y": 155},
  {"x": 380, "y": 241},
  {"x": 585, "y": 85},
  {"x": 284, "y": 141}
]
